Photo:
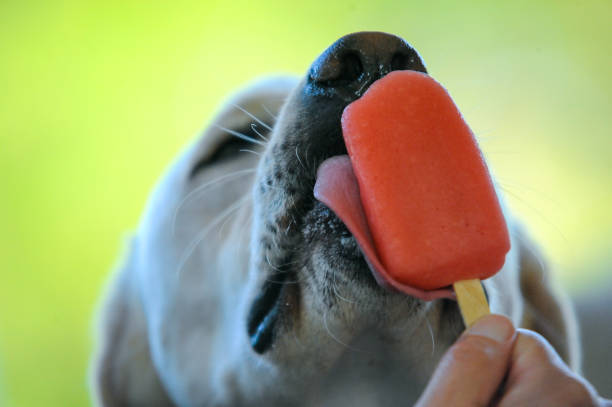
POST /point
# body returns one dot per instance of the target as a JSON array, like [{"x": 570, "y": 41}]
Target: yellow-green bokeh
[{"x": 97, "y": 97}]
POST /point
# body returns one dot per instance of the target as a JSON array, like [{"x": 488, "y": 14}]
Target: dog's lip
[
  {"x": 264, "y": 313},
  {"x": 337, "y": 188}
]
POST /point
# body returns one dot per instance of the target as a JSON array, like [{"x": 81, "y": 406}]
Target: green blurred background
[{"x": 97, "y": 97}]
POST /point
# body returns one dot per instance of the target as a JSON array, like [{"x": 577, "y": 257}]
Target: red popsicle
[
  {"x": 429, "y": 204},
  {"x": 427, "y": 194}
]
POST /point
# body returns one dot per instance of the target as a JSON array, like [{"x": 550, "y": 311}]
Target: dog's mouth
[
  {"x": 337, "y": 187},
  {"x": 346, "y": 229},
  {"x": 329, "y": 222}
]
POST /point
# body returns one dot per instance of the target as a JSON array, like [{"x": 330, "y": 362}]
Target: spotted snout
[{"x": 299, "y": 239}]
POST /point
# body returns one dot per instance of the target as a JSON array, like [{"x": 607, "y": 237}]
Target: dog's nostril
[
  {"x": 335, "y": 70},
  {"x": 401, "y": 61},
  {"x": 352, "y": 67}
]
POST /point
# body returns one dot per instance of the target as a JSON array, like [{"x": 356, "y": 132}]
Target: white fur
[{"x": 189, "y": 281}]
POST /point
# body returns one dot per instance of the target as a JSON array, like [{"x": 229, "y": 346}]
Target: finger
[
  {"x": 539, "y": 377},
  {"x": 472, "y": 370}
]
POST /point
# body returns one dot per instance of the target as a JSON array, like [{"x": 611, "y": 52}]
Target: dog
[{"x": 240, "y": 289}]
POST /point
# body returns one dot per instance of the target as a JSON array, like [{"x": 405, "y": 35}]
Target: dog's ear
[
  {"x": 122, "y": 371},
  {"x": 547, "y": 310},
  {"x": 250, "y": 111}
]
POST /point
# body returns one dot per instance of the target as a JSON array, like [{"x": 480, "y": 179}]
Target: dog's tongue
[{"x": 337, "y": 188}]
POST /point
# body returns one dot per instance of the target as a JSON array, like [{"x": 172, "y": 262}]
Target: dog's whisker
[
  {"x": 271, "y": 265},
  {"x": 254, "y": 128},
  {"x": 272, "y": 115},
  {"x": 298, "y": 281},
  {"x": 334, "y": 285},
  {"x": 252, "y": 116},
  {"x": 227, "y": 218},
  {"x": 189, "y": 250},
  {"x": 203, "y": 188},
  {"x": 240, "y": 135},
  {"x": 293, "y": 222},
  {"x": 536, "y": 211},
  {"x": 277, "y": 271},
  {"x": 431, "y": 334},
  {"x": 246, "y": 150},
  {"x": 313, "y": 167},
  {"x": 289, "y": 263},
  {"x": 274, "y": 241},
  {"x": 202, "y": 234},
  {"x": 298, "y": 157},
  {"x": 306, "y": 154},
  {"x": 279, "y": 281},
  {"x": 504, "y": 183},
  {"x": 335, "y": 338}
]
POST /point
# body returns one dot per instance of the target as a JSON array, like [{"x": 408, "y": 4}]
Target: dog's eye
[{"x": 230, "y": 149}]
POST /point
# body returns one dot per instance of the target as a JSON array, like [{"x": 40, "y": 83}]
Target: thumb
[{"x": 471, "y": 371}]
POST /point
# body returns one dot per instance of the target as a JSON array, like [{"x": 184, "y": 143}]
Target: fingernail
[{"x": 494, "y": 327}]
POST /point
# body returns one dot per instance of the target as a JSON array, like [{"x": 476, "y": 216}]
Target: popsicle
[{"x": 427, "y": 215}]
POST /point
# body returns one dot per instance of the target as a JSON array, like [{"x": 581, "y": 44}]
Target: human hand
[{"x": 494, "y": 364}]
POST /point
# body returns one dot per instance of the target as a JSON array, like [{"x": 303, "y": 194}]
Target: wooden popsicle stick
[{"x": 472, "y": 300}]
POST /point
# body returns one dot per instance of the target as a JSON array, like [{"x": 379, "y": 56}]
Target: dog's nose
[{"x": 356, "y": 60}]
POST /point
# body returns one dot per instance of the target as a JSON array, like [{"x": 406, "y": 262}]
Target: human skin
[{"x": 493, "y": 363}]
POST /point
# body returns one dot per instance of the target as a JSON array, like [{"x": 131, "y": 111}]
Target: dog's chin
[
  {"x": 326, "y": 265},
  {"x": 328, "y": 244}
]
